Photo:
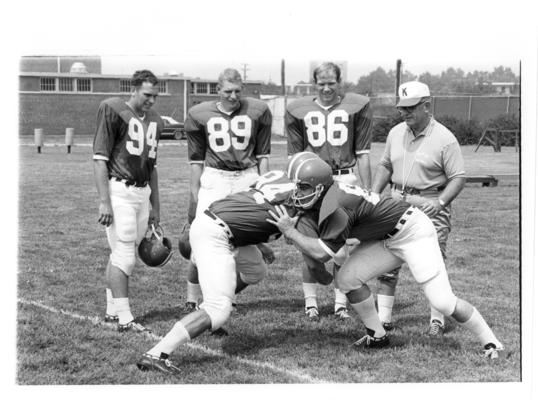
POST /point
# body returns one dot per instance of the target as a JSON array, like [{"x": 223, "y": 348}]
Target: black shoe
[
  {"x": 493, "y": 352},
  {"x": 190, "y": 306},
  {"x": 368, "y": 341},
  {"x": 148, "y": 362},
  {"x": 111, "y": 320},
  {"x": 388, "y": 326},
  {"x": 133, "y": 326}
]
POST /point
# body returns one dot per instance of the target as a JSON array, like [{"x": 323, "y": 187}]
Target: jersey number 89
[
  {"x": 319, "y": 130},
  {"x": 224, "y": 133}
]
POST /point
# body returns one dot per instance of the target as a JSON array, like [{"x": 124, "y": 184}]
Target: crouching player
[
  {"x": 391, "y": 232},
  {"x": 216, "y": 235}
]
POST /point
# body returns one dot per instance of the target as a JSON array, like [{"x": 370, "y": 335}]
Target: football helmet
[
  {"x": 307, "y": 170},
  {"x": 184, "y": 244},
  {"x": 155, "y": 250}
]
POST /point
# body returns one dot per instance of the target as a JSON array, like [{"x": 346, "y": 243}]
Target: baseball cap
[{"x": 410, "y": 93}]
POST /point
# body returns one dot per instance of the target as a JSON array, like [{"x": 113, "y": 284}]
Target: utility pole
[
  {"x": 245, "y": 69},
  {"x": 398, "y": 75},
  {"x": 283, "y": 81}
]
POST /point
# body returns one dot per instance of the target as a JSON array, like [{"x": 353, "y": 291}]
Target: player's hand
[
  {"x": 267, "y": 253},
  {"x": 282, "y": 220},
  {"x": 154, "y": 218},
  {"x": 431, "y": 208},
  {"x": 106, "y": 216}
]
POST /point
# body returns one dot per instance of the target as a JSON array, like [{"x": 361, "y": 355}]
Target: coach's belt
[
  {"x": 344, "y": 171},
  {"x": 401, "y": 223},
  {"x": 221, "y": 223},
  {"x": 130, "y": 183},
  {"x": 412, "y": 190}
]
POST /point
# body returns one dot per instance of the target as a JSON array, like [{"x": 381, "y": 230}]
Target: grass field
[{"x": 63, "y": 251}]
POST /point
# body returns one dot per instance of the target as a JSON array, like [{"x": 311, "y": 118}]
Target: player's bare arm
[
  {"x": 381, "y": 178},
  {"x": 363, "y": 168},
  {"x": 196, "y": 173},
  {"x": 286, "y": 225},
  {"x": 454, "y": 186},
  {"x": 106, "y": 216},
  {"x": 155, "y": 211},
  {"x": 263, "y": 165}
]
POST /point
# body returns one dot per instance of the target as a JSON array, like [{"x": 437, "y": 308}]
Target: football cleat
[
  {"x": 111, "y": 319},
  {"x": 155, "y": 250},
  {"x": 191, "y": 306},
  {"x": 133, "y": 326},
  {"x": 388, "y": 326},
  {"x": 491, "y": 351},
  {"x": 163, "y": 364},
  {"x": 312, "y": 313},
  {"x": 342, "y": 313},
  {"x": 436, "y": 328},
  {"x": 368, "y": 341}
]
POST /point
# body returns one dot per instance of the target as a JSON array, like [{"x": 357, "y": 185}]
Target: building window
[
  {"x": 84, "y": 85},
  {"x": 48, "y": 84},
  {"x": 163, "y": 86},
  {"x": 213, "y": 88},
  {"x": 192, "y": 87},
  {"x": 201, "y": 88},
  {"x": 66, "y": 84},
  {"x": 125, "y": 86}
]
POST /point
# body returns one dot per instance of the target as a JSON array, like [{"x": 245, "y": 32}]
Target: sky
[{"x": 199, "y": 38}]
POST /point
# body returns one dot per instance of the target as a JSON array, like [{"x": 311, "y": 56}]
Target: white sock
[
  {"x": 384, "y": 307},
  {"x": 435, "y": 314},
  {"x": 194, "y": 292},
  {"x": 110, "y": 310},
  {"x": 310, "y": 294},
  {"x": 340, "y": 299},
  {"x": 368, "y": 315},
  {"x": 123, "y": 310},
  {"x": 173, "y": 339},
  {"x": 481, "y": 329}
]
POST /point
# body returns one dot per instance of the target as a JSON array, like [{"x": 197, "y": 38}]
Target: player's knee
[
  {"x": 440, "y": 295},
  {"x": 347, "y": 283},
  {"x": 254, "y": 275},
  {"x": 123, "y": 257},
  {"x": 218, "y": 309}
]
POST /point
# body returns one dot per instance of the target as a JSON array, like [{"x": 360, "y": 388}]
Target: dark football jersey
[
  {"x": 336, "y": 134},
  {"x": 127, "y": 142},
  {"x": 229, "y": 142},
  {"x": 246, "y": 212},
  {"x": 346, "y": 212}
]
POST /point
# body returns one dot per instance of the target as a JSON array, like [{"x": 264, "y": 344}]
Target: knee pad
[
  {"x": 255, "y": 274},
  {"x": 123, "y": 257},
  {"x": 440, "y": 295},
  {"x": 218, "y": 309}
]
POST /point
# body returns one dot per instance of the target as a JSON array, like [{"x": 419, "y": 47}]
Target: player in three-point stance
[
  {"x": 124, "y": 159},
  {"x": 229, "y": 142},
  {"x": 390, "y": 231},
  {"x": 229, "y": 226},
  {"x": 336, "y": 126}
]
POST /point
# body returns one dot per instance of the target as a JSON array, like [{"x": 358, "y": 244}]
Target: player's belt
[
  {"x": 221, "y": 223},
  {"x": 412, "y": 190},
  {"x": 344, "y": 171},
  {"x": 401, "y": 222},
  {"x": 130, "y": 183}
]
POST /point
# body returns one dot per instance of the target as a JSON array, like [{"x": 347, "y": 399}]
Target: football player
[
  {"x": 221, "y": 240},
  {"x": 124, "y": 160},
  {"x": 336, "y": 127},
  {"x": 392, "y": 231},
  {"x": 229, "y": 142}
]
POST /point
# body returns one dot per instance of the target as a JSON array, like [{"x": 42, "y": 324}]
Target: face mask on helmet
[
  {"x": 155, "y": 250},
  {"x": 311, "y": 175}
]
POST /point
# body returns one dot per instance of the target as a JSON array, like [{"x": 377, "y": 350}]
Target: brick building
[{"x": 65, "y": 92}]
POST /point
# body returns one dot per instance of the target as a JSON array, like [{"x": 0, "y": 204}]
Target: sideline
[{"x": 216, "y": 353}]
